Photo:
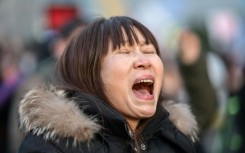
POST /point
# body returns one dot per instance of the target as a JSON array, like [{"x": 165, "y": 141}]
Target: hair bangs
[
  {"x": 121, "y": 32},
  {"x": 125, "y": 27}
]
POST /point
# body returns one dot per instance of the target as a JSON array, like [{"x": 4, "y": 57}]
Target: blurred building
[{"x": 27, "y": 18}]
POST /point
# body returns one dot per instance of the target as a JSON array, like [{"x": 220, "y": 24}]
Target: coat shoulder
[
  {"x": 181, "y": 116},
  {"x": 46, "y": 111}
]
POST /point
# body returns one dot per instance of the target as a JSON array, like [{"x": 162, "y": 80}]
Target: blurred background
[{"x": 202, "y": 45}]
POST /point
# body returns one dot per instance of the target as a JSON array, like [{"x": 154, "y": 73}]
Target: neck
[{"x": 133, "y": 123}]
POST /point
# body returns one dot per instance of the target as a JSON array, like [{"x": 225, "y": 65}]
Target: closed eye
[
  {"x": 149, "y": 52},
  {"x": 124, "y": 51},
  {"x": 148, "y": 49}
]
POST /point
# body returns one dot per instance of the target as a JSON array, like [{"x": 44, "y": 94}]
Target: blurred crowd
[
  {"x": 205, "y": 69},
  {"x": 207, "y": 72}
]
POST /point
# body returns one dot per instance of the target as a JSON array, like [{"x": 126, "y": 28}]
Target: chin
[{"x": 147, "y": 113}]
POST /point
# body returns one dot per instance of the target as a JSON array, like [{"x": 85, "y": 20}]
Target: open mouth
[{"x": 143, "y": 88}]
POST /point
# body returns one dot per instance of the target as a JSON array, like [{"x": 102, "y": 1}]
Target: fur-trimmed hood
[{"x": 47, "y": 111}]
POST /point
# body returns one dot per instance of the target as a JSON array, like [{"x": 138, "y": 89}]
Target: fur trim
[
  {"x": 47, "y": 112},
  {"x": 183, "y": 119}
]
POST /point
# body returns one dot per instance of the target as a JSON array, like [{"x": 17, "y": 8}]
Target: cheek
[
  {"x": 159, "y": 71},
  {"x": 162, "y": 71},
  {"x": 113, "y": 75},
  {"x": 112, "y": 71},
  {"x": 159, "y": 68}
]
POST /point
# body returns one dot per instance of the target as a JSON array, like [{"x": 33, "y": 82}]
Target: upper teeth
[{"x": 146, "y": 80}]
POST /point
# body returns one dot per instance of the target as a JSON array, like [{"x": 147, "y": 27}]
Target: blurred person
[
  {"x": 173, "y": 85},
  {"x": 10, "y": 82},
  {"x": 44, "y": 73},
  {"x": 56, "y": 45},
  {"x": 107, "y": 98},
  {"x": 205, "y": 77}
]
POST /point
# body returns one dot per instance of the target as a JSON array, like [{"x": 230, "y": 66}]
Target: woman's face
[{"x": 132, "y": 77}]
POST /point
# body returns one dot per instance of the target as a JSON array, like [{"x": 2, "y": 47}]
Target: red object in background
[{"x": 58, "y": 15}]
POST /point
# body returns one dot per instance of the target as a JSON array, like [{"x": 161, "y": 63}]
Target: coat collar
[
  {"x": 111, "y": 121},
  {"x": 46, "y": 111}
]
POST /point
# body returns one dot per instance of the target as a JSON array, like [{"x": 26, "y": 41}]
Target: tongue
[{"x": 143, "y": 93}]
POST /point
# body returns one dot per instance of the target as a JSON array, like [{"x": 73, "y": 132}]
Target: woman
[{"x": 111, "y": 76}]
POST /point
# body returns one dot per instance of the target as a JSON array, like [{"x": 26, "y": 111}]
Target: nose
[{"x": 142, "y": 61}]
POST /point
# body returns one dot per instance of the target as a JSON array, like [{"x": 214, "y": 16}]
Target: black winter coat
[{"x": 85, "y": 124}]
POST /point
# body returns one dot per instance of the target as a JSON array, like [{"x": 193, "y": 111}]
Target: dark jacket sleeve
[{"x": 37, "y": 144}]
